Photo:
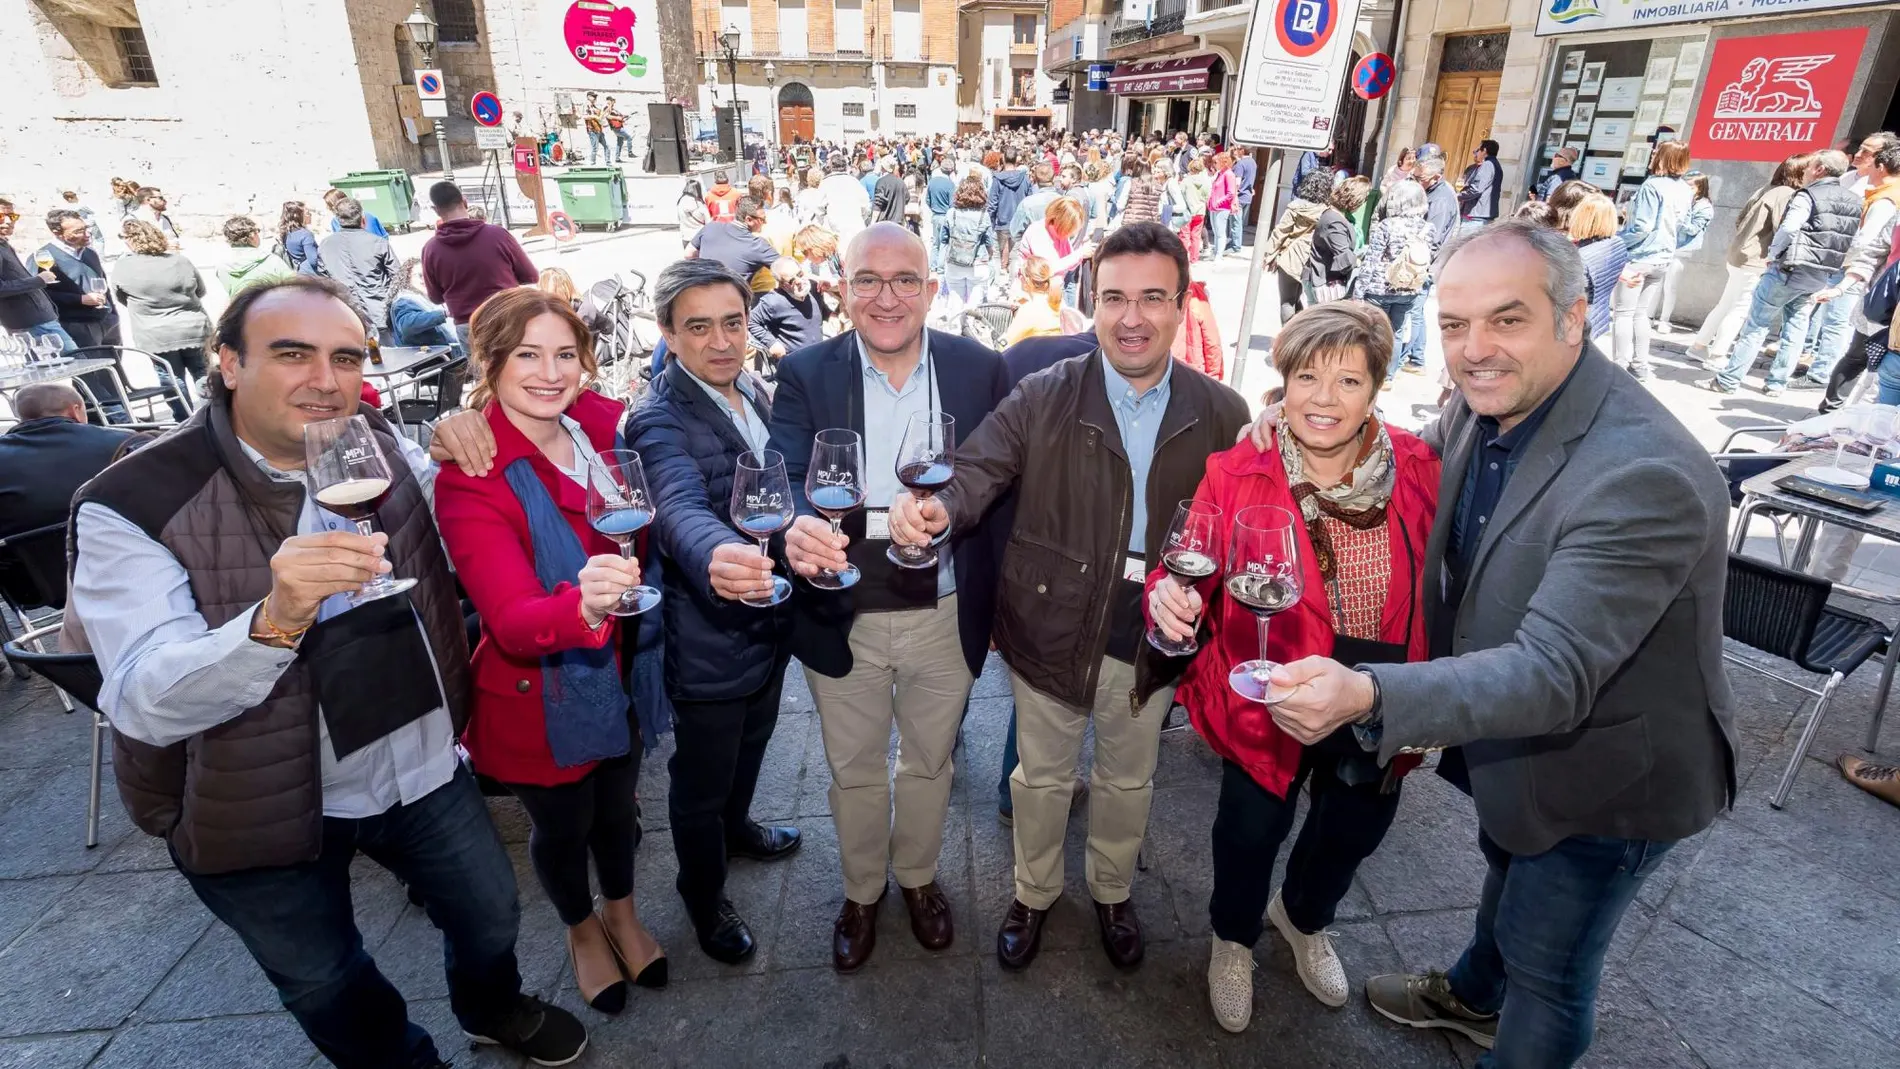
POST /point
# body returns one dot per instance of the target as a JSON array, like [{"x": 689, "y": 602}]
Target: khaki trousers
[
  {"x": 907, "y": 666},
  {"x": 1049, "y": 743}
]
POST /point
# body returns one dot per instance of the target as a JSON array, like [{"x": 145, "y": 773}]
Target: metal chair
[
  {"x": 1785, "y": 614},
  {"x": 167, "y": 390},
  {"x": 988, "y": 324},
  {"x": 76, "y": 678},
  {"x": 33, "y": 580},
  {"x": 428, "y": 405}
]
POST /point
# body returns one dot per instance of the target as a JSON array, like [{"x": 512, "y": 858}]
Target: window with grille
[
  {"x": 134, "y": 55},
  {"x": 1024, "y": 30},
  {"x": 455, "y": 21},
  {"x": 906, "y": 111},
  {"x": 854, "y": 111}
]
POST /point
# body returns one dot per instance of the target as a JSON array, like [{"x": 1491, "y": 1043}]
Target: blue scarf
[{"x": 584, "y": 699}]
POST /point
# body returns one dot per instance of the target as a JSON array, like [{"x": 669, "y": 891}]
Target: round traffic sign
[
  {"x": 562, "y": 225},
  {"x": 430, "y": 84},
  {"x": 486, "y": 108},
  {"x": 1303, "y": 27},
  {"x": 1372, "y": 76}
]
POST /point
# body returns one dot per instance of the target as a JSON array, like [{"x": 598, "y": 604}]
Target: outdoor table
[
  {"x": 399, "y": 359},
  {"x": 1761, "y": 492},
  {"x": 15, "y": 379}
]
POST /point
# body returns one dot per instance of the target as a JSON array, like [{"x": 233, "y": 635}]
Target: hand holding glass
[
  {"x": 1263, "y": 575},
  {"x": 834, "y": 484},
  {"x": 925, "y": 462},
  {"x": 1188, "y": 555},
  {"x": 761, "y": 508},
  {"x": 620, "y": 506},
  {"x": 347, "y": 473}
]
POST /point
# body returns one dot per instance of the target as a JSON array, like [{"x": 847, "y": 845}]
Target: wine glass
[
  {"x": 925, "y": 461},
  {"x": 761, "y": 508},
  {"x": 51, "y": 349},
  {"x": 96, "y": 286},
  {"x": 1263, "y": 574},
  {"x": 1188, "y": 555},
  {"x": 834, "y": 484},
  {"x": 619, "y": 506},
  {"x": 348, "y": 475}
]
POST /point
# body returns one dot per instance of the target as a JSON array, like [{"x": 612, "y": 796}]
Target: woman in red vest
[
  {"x": 1363, "y": 495},
  {"x": 551, "y": 718}
]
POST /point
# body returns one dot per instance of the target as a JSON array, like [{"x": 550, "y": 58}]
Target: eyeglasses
[
  {"x": 11, "y": 217},
  {"x": 903, "y": 287},
  {"x": 1151, "y": 302}
]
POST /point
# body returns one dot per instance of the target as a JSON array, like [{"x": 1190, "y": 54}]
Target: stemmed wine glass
[
  {"x": 834, "y": 484},
  {"x": 348, "y": 475},
  {"x": 925, "y": 462},
  {"x": 1263, "y": 574},
  {"x": 1188, "y": 555},
  {"x": 52, "y": 350},
  {"x": 619, "y": 506},
  {"x": 762, "y": 507}
]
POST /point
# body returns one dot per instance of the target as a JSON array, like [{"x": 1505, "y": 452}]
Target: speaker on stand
[{"x": 666, "y": 139}]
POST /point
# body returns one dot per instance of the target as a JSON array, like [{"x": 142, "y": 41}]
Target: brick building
[{"x": 829, "y": 70}]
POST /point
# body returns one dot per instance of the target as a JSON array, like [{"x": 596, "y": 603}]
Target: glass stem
[
  {"x": 366, "y": 528},
  {"x": 837, "y": 528},
  {"x": 628, "y": 599},
  {"x": 1261, "y": 621}
]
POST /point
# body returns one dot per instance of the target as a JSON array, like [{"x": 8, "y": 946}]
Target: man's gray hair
[
  {"x": 1564, "y": 276},
  {"x": 349, "y": 213},
  {"x": 44, "y": 399},
  {"x": 1404, "y": 198},
  {"x": 683, "y": 275},
  {"x": 1832, "y": 162},
  {"x": 1432, "y": 165}
]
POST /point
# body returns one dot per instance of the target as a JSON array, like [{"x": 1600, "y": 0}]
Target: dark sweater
[
  {"x": 23, "y": 300},
  {"x": 779, "y": 320},
  {"x": 469, "y": 261}
]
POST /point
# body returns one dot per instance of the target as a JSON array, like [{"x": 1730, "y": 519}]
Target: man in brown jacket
[
  {"x": 269, "y": 729},
  {"x": 1100, "y": 448}
]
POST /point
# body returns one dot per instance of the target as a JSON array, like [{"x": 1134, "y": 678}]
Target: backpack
[
  {"x": 965, "y": 238},
  {"x": 1412, "y": 266},
  {"x": 1883, "y": 294}
]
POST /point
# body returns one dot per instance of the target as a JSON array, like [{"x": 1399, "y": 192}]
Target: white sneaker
[
  {"x": 1230, "y": 984},
  {"x": 1313, "y": 956}
]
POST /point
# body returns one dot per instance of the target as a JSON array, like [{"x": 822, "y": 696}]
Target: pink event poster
[{"x": 600, "y": 38}]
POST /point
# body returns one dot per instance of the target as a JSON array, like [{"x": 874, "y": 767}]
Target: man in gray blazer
[{"x": 1573, "y": 586}]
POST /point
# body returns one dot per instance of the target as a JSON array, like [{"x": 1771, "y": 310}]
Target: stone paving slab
[{"x": 1766, "y": 941}]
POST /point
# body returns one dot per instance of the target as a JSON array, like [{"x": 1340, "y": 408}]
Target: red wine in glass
[
  {"x": 926, "y": 461},
  {"x": 834, "y": 484},
  {"x": 354, "y": 499},
  {"x": 347, "y": 473},
  {"x": 620, "y": 507},
  {"x": 1188, "y": 555},
  {"x": 1263, "y": 576}
]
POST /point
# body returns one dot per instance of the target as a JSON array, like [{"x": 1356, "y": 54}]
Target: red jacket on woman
[
  {"x": 1243, "y": 731},
  {"x": 486, "y": 531},
  {"x": 1197, "y": 343}
]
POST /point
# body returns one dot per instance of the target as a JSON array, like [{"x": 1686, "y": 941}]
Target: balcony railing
[
  {"x": 1202, "y": 7},
  {"x": 780, "y": 46},
  {"x": 903, "y": 48},
  {"x": 1166, "y": 18}
]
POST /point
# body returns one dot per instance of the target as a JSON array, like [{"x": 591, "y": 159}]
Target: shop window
[
  {"x": 135, "y": 56},
  {"x": 1470, "y": 52},
  {"x": 455, "y": 22},
  {"x": 902, "y": 111},
  {"x": 1610, "y": 100}
]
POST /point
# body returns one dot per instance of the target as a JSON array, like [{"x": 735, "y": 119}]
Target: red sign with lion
[{"x": 1765, "y": 98}]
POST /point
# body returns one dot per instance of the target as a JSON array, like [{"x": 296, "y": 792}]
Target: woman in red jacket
[
  {"x": 551, "y": 716},
  {"x": 1365, "y": 494}
]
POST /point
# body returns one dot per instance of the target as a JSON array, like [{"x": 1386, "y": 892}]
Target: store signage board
[
  {"x": 1292, "y": 72},
  {"x": 1591, "y": 16},
  {"x": 1766, "y": 98}
]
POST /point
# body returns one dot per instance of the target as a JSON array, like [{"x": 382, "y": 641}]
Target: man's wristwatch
[{"x": 1376, "y": 713}]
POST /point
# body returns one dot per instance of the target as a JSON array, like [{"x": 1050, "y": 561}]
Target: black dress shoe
[
  {"x": 1121, "y": 933},
  {"x": 1020, "y": 936},
  {"x": 723, "y": 934},
  {"x": 759, "y": 842}
]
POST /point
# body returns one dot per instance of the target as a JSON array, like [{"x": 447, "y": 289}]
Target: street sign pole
[{"x": 1255, "y": 269}]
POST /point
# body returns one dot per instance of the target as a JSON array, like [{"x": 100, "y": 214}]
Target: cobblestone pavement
[{"x": 1767, "y": 941}]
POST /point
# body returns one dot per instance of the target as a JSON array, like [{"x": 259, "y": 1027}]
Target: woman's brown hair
[
  {"x": 1593, "y": 217},
  {"x": 1671, "y": 158},
  {"x": 144, "y": 238},
  {"x": 1330, "y": 331},
  {"x": 1350, "y": 194},
  {"x": 497, "y": 327},
  {"x": 1039, "y": 278}
]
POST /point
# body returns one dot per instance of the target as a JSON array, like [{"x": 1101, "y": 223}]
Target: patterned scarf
[{"x": 1358, "y": 501}]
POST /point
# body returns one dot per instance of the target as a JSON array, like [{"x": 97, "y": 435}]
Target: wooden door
[
  {"x": 795, "y": 121},
  {"x": 1462, "y": 109}
]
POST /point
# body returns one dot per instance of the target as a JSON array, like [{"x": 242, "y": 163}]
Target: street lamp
[
  {"x": 422, "y": 31},
  {"x": 729, "y": 41}
]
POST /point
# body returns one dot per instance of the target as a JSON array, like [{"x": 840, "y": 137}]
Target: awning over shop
[{"x": 1173, "y": 77}]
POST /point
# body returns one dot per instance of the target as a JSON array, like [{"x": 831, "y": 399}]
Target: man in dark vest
[
  {"x": 1806, "y": 256},
  {"x": 43, "y": 459},
  {"x": 267, "y": 729}
]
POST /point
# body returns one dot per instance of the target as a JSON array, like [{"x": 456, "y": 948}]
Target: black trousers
[
  {"x": 1292, "y": 293},
  {"x": 596, "y": 815},
  {"x": 1344, "y": 825},
  {"x": 718, "y": 748},
  {"x": 1840, "y": 382}
]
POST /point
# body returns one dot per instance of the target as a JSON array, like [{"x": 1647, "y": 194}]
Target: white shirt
[
  {"x": 751, "y": 427},
  {"x": 887, "y": 412},
  {"x": 169, "y": 675}
]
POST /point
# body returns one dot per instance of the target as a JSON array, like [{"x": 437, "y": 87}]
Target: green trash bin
[
  {"x": 594, "y": 196},
  {"x": 388, "y": 195}
]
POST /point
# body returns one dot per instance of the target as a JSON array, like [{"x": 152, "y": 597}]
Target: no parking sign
[
  {"x": 563, "y": 226},
  {"x": 1372, "y": 78}
]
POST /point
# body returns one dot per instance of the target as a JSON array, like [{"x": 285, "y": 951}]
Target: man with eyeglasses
[
  {"x": 1099, "y": 449},
  {"x": 24, "y": 305},
  {"x": 901, "y": 645},
  {"x": 738, "y": 246},
  {"x": 791, "y": 316}
]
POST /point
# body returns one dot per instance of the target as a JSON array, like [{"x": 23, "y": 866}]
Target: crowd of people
[{"x": 270, "y": 723}]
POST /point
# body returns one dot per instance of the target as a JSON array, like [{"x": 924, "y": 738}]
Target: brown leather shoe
[
  {"x": 1881, "y": 781},
  {"x": 855, "y": 934},
  {"x": 929, "y": 915},
  {"x": 1020, "y": 936},
  {"x": 1121, "y": 933}
]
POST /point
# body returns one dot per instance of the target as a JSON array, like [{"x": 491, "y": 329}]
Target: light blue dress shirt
[
  {"x": 169, "y": 675},
  {"x": 751, "y": 427},
  {"x": 887, "y": 411},
  {"x": 1138, "y": 417}
]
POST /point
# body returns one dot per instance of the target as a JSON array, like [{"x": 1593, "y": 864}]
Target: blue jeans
[
  {"x": 1834, "y": 330},
  {"x": 1398, "y": 308},
  {"x": 939, "y": 226},
  {"x": 623, "y": 145},
  {"x": 597, "y": 146},
  {"x": 297, "y": 922},
  {"x": 1412, "y": 349},
  {"x": 1219, "y": 225},
  {"x": 1774, "y": 295},
  {"x": 1544, "y": 924},
  {"x": 1237, "y": 226},
  {"x": 1889, "y": 380}
]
